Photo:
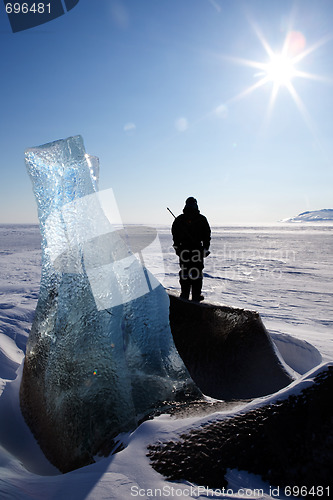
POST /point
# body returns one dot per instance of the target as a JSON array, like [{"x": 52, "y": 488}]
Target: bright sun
[{"x": 280, "y": 70}]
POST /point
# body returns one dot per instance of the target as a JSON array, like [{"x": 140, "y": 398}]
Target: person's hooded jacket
[{"x": 191, "y": 230}]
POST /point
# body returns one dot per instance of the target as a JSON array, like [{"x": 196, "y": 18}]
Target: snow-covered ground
[{"x": 285, "y": 272}]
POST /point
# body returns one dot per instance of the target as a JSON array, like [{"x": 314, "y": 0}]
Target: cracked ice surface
[{"x": 100, "y": 353}]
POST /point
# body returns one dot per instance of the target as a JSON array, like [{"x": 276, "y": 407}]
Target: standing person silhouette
[{"x": 191, "y": 240}]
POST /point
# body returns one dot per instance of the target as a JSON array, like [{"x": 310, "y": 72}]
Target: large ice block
[{"x": 100, "y": 354}]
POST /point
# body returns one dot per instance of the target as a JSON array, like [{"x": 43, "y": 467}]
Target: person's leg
[
  {"x": 185, "y": 285},
  {"x": 196, "y": 287},
  {"x": 196, "y": 277},
  {"x": 184, "y": 278}
]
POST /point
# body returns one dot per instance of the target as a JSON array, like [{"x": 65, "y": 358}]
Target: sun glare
[{"x": 280, "y": 70}]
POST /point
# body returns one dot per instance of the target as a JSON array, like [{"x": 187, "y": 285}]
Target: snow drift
[{"x": 25, "y": 474}]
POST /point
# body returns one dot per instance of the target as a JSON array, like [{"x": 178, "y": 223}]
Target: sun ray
[
  {"x": 262, "y": 39},
  {"x": 248, "y": 90},
  {"x": 245, "y": 62},
  {"x": 301, "y": 107},
  {"x": 312, "y": 76},
  {"x": 313, "y": 48},
  {"x": 272, "y": 100}
]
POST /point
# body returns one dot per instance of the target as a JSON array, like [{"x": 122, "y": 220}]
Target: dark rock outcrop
[
  {"x": 287, "y": 440},
  {"x": 227, "y": 351}
]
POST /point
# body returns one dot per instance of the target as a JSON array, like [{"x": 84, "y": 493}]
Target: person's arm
[
  {"x": 206, "y": 234},
  {"x": 176, "y": 236}
]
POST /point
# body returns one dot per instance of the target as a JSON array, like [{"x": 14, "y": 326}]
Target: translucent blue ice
[{"x": 100, "y": 354}]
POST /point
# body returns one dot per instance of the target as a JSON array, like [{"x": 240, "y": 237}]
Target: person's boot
[
  {"x": 196, "y": 290},
  {"x": 198, "y": 299}
]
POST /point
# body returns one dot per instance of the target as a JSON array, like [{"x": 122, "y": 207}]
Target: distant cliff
[{"x": 324, "y": 215}]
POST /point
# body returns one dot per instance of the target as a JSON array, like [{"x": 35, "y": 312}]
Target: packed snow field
[{"x": 285, "y": 272}]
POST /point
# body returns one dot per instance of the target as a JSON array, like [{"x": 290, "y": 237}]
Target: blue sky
[{"x": 156, "y": 89}]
